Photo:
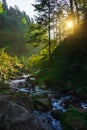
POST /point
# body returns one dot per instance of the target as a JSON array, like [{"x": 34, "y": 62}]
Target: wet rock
[
  {"x": 26, "y": 102},
  {"x": 39, "y": 96},
  {"x": 30, "y": 82},
  {"x": 4, "y": 85},
  {"x": 42, "y": 104},
  {"x": 43, "y": 86},
  {"x": 71, "y": 101},
  {"x": 56, "y": 114},
  {"x": 1, "y": 85},
  {"x": 16, "y": 117},
  {"x": 21, "y": 84},
  {"x": 66, "y": 104}
]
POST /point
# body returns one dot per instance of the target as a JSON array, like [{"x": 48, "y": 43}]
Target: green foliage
[
  {"x": 24, "y": 21},
  {"x": 46, "y": 10},
  {"x": 9, "y": 66},
  {"x": 12, "y": 18},
  {"x": 36, "y": 35},
  {"x": 13, "y": 25},
  {"x": 1, "y": 9},
  {"x": 5, "y": 90},
  {"x": 69, "y": 65},
  {"x": 37, "y": 61},
  {"x": 14, "y": 42}
]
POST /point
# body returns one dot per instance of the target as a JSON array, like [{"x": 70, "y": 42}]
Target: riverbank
[{"x": 51, "y": 107}]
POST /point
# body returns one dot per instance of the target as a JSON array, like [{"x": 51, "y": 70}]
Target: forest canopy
[{"x": 13, "y": 18}]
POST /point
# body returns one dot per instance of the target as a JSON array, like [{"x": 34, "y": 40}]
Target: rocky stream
[{"x": 40, "y": 110}]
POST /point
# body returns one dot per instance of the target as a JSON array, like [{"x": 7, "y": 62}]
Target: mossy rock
[
  {"x": 74, "y": 119},
  {"x": 43, "y": 95},
  {"x": 17, "y": 117},
  {"x": 56, "y": 114},
  {"x": 4, "y": 85},
  {"x": 42, "y": 104}
]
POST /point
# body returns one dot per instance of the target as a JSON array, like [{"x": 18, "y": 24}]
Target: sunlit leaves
[
  {"x": 38, "y": 61},
  {"x": 8, "y": 65},
  {"x": 36, "y": 35},
  {"x": 1, "y": 9},
  {"x": 24, "y": 21}
]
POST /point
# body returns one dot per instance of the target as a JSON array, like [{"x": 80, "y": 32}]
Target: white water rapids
[{"x": 57, "y": 103}]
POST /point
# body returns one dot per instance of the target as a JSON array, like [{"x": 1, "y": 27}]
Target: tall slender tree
[
  {"x": 45, "y": 9},
  {"x": 77, "y": 10},
  {"x": 5, "y": 6}
]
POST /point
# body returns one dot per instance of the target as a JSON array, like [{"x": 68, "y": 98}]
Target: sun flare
[{"x": 70, "y": 24}]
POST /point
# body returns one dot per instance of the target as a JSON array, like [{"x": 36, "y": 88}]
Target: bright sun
[{"x": 69, "y": 24}]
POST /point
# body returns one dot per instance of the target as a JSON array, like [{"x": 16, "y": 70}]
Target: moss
[{"x": 74, "y": 119}]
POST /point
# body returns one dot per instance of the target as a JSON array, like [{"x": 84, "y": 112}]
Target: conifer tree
[{"x": 45, "y": 9}]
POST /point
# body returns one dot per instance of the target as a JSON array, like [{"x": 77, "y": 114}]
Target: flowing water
[
  {"x": 49, "y": 121},
  {"x": 46, "y": 117},
  {"x": 57, "y": 103}
]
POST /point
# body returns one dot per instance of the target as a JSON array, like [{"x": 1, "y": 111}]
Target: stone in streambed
[
  {"x": 30, "y": 82},
  {"x": 42, "y": 104},
  {"x": 16, "y": 117},
  {"x": 73, "y": 119},
  {"x": 26, "y": 102},
  {"x": 56, "y": 114}
]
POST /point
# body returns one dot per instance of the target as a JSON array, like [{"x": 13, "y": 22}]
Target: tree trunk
[
  {"x": 77, "y": 11},
  {"x": 49, "y": 37},
  {"x": 71, "y": 7},
  {"x": 72, "y": 13}
]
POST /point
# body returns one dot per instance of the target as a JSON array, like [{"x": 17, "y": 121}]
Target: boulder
[
  {"x": 30, "y": 82},
  {"x": 42, "y": 104},
  {"x": 74, "y": 119},
  {"x": 56, "y": 114},
  {"x": 16, "y": 117},
  {"x": 26, "y": 102}
]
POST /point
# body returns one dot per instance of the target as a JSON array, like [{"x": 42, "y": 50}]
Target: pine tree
[
  {"x": 5, "y": 6},
  {"x": 45, "y": 9}
]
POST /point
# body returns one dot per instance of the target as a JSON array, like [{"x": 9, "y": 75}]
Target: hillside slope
[{"x": 69, "y": 68}]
